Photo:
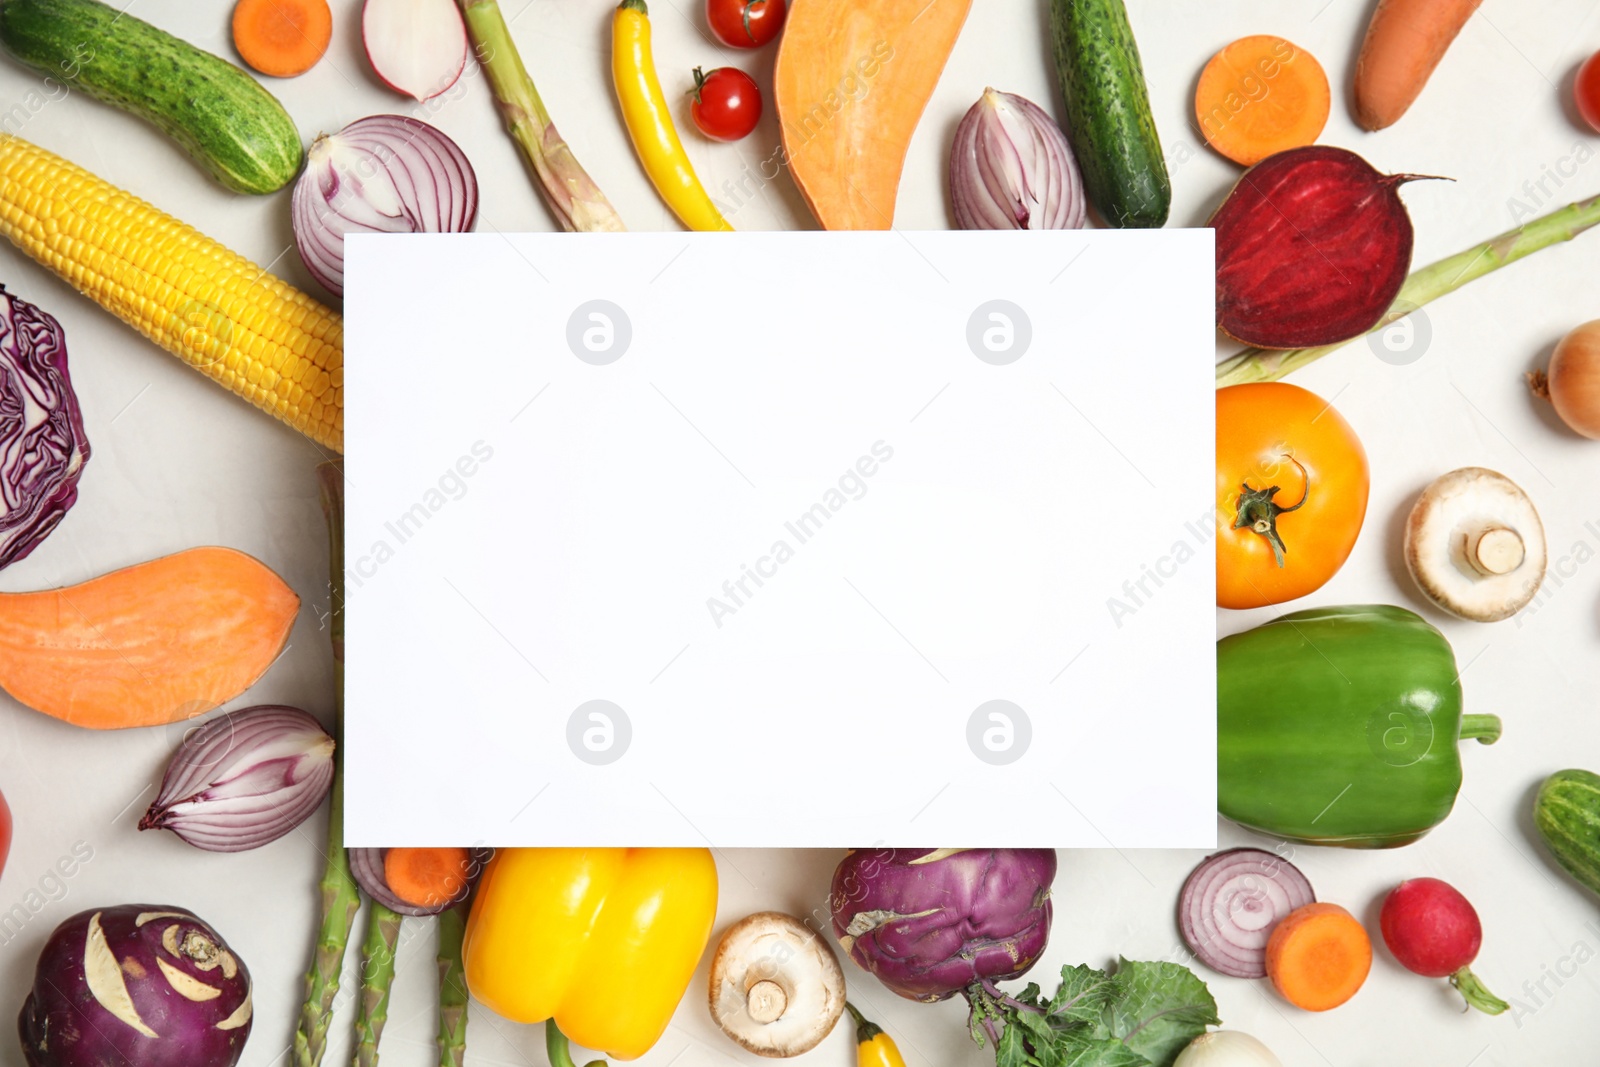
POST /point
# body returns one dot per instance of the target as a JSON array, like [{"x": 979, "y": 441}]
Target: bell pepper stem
[
  {"x": 1484, "y": 729},
  {"x": 1476, "y": 994},
  {"x": 559, "y": 1050}
]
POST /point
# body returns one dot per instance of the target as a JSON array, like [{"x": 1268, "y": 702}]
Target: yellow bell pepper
[
  {"x": 874, "y": 1048},
  {"x": 602, "y": 942}
]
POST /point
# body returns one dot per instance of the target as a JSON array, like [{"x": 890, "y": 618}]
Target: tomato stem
[{"x": 1258, "y": 511}]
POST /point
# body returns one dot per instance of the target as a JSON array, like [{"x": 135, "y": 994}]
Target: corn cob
[{"x": 224, "y": 316}]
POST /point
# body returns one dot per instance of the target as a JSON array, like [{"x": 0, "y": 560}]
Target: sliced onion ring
[
  {"x": 1230, "y": 903},
  {"x": 381, "y": 174}
]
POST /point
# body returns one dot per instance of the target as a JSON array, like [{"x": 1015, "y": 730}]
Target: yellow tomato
[{"x": 1292, "y": 486}]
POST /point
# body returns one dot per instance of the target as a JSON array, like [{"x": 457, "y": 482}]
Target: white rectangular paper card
[{"x": 781, "y": 539}]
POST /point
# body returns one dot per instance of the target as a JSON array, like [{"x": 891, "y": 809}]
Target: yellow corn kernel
[{"x": 210, "y": 307}]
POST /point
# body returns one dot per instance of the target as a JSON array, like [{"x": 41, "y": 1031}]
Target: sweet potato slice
[
  {"x": 147, "y": 645},
  {"x": 851, "y": 83}
]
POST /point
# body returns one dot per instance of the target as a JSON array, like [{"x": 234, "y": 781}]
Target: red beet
[
  {"x": 1433, "y": 931},
  {"x": 1313, "y": 245}
]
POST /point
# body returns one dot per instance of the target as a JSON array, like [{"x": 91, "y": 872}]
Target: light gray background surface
[{"x": 179, "y": 462}]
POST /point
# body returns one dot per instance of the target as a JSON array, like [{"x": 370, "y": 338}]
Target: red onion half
[
  {"x": 1231, "y": 902},
  {"x": 244, "y": 778},
  {"x": 382, "y": 174},
  {"x": 1012, "y": 169}
]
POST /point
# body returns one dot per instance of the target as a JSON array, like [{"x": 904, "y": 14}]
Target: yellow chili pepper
[
  {"x": 874, "y": 1048},
  {"x": 602, "y": 942},
  {"x": 649, "y": 121}
]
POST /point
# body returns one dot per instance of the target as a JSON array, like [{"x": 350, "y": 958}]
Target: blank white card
[{"x": 781, "y": 539}]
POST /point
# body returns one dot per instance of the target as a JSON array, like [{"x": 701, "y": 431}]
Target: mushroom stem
[
  {"x": 765, "y": 1001},
  {"x": 1497, "y": 550}
]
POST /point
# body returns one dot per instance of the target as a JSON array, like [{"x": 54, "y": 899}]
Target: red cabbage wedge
[{"x": 42, "y": 444}]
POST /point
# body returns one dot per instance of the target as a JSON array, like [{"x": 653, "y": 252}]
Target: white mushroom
[
  {"x": 776, "y": 988},
  {"x": 1475, "y": 545}
]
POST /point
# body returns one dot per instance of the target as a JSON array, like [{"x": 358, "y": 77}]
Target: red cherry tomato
[
  {"x": 727, "y": 104},
  {"x": 746, "y": 23},
  {"x": 5, "y": 832},
  {"x": 1587, "y": 91}
]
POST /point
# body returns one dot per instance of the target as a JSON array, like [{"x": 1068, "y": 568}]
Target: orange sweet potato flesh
[
  {"x": 851, "y": 82},
  {"x": 147, "y": 645}
]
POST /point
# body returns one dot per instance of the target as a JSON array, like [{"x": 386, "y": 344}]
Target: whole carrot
[{"x": 1404, "y": 43}]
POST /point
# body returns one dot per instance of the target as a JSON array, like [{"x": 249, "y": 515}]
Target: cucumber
[
  {"x": 1109, "y": 123},
  {"x": 1567, "y": 815},
  {"x": 220, "y": 115}
]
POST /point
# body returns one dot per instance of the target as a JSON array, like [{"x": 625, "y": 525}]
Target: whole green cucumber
[
  {"x": 1109, "y": 123},
  {"x": 219, "y": 114},
  {"x": 1567, "y": 815}
]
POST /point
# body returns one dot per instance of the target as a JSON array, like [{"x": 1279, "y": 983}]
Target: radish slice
[
  {"x": 417, "y": 47},
  {"x": 1231, "y": 902}
]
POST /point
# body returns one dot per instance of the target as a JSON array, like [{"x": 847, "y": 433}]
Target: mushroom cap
[
  {"x": 1475, "y": 546},
  {"x": 776, "y": 987}
]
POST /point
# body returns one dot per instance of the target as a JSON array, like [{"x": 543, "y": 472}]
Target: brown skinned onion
[{"x": 1572, "y": 382}]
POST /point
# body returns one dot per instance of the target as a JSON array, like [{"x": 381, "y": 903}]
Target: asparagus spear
[
  {"x": 576, "y": 200},
  {"x": 452, "y": 988},
  {"x": 1429, "y": 283},
  {"x": 339, "y": 896},
  {"x": 377, "y": 975}
]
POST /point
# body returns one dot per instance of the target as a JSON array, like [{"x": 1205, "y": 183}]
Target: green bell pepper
[{"x": 1339, "y": 726}]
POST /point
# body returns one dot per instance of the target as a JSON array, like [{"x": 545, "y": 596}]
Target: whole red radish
[{"x": 1433, "y": 930}]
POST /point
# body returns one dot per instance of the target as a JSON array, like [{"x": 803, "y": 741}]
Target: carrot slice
[
  {"x": 282, "y": 38},
  {"x": 1261, "y": 95},
  {"x": 426, "y": 877},
  {"x": 1318, "y": 956}
]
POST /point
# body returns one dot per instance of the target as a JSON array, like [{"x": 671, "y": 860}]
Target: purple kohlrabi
[{"x": 930, "y": 923}]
